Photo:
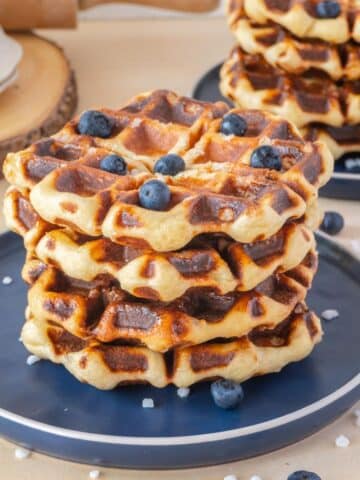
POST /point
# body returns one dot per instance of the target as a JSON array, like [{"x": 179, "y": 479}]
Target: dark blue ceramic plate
[
  {"x": 342, "y": 184},
  {"x": 43, "y": 407}
]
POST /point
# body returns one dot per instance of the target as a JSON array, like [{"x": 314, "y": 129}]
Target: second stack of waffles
[
  {"x": 213, "y": 285},
  {"x": 299, "y": 59}
]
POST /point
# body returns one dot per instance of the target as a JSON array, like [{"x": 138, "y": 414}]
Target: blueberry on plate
[
  {"x": 226, "y": 393},
  {"x": 303, "y": 475},
  {"x": 233, "y": 124},
  {"x": 95, "y": 124},
  {"x": 332, "y": 223},
  {"x": 266, "y": 156},
  {"x": 328, "y": 9},
  {"x": 114, "y": 164},
  {"x": 170, "y": 164},
  {"x": 154, "y": 195}
]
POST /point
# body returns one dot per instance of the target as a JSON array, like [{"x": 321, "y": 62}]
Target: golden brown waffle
[
  {"x": 106, "y": 366},
  {"x": 218, "y": 192},
  {"x": 149, "y": 126},
  {"x": 300, "y": 17},
  {"x": 216, "y": 262},
  {"x": 340, "y": 140},
  {"x": 282, "y": 50},
  {"x": 250, "y": 82},
  {"x": 102, "y": 310}
]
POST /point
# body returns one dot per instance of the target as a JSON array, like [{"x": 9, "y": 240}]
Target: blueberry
[
  {"x": 266, "y": 157},
  {"x": 303, "y": 475},
  {"x": 328, "y": 9},
  {"x": 332, "y": 223},
  {"x": 233, "y": 124},
  {"x": 154, "y": 195},
  {"x": 170, "y": 164},
  {"x": 226, "y": 393},
  {"x": 114, "y": 164},
  {"x": 95, "y": 123}
]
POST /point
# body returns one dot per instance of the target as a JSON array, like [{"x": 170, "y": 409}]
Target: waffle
[
  {"x": 250, "y": 82},
  {"x": 282, "y": 50},
  {"x": 100, "y": 309},
  {"x": 216, "y": 262},
  {"x": 301, "y": 19},
  {"x": 218, "y": 192},
  {"x": 107, "y": 366},
  {"x": 340, "y": 140}
]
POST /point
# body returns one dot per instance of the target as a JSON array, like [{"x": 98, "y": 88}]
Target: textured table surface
[{"x": 113, "y": 61}]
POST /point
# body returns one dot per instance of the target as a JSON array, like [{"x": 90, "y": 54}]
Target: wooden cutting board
[{"x": 42, "y": 99}]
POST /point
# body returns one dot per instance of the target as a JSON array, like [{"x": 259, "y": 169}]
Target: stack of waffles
[
  {"x": 299, "y": 59},
  {"x": 212, "y": 284}
]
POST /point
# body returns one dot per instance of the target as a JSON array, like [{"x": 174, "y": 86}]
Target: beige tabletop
[{"x": 113, "y": 61}]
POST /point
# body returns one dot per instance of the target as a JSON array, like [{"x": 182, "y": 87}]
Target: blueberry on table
[
  {"x": 114, "y": 164},
  {"x": 226, "y": 393},
  {"x": 328, "y": 9},
  {"x": 95, "y": 124},
  {"x": 266, "y": 156},
  {"x": 154, "y": 195},
  {"x": 170, "y": 164},
  {"x": 303, "y": 475},
  {"x": 233, "y": 124},
  {"x": 332, "y": 223}
]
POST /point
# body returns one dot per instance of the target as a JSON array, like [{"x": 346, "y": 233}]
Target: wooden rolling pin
[{"x": 28, "y": 14}]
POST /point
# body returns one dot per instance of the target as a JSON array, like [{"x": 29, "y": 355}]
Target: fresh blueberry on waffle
[
  {"x": 328, "y": 9},
  {"x": 233, "y": 124},
  {"x": 95, "y": 123},
  {"x": 266, "y": 157},
  {"x": 170, "y": 164},
  {"x": 114, "y": 164},
  {"x": 154, "y": 195}
]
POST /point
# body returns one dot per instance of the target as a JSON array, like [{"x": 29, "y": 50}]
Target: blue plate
[
  {"x": 342, "y": 184},
  {"x": 44, "y": 408}
]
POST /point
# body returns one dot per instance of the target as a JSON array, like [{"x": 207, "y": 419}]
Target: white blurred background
[{"x": 117, "y": 10}]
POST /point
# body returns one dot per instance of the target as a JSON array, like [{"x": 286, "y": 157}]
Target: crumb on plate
[
  {"x": 183, "y": 392},
  {"x": 330, "y": 314},
  {"x": 31, "y": 359},
  {"x": 148, "y": 403}
]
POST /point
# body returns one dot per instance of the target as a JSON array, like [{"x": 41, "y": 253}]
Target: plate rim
[{"x": 306, "y": 411}]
